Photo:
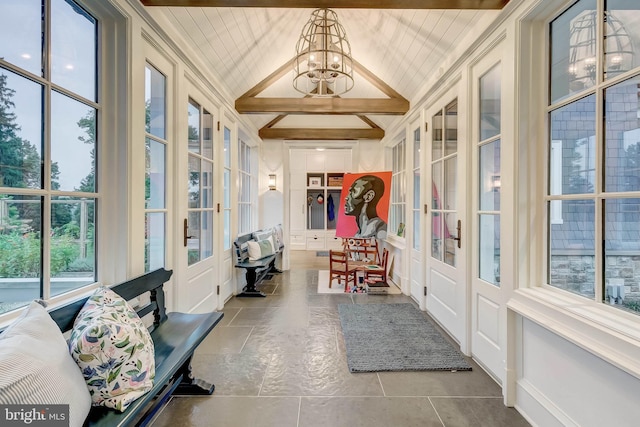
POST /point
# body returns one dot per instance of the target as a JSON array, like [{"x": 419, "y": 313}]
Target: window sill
[
  {"x": 396, "y": 242},
  {"x": 612, "y": 335}
]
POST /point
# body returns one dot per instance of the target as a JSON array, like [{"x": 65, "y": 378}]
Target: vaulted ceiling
[{"x": 401, "y": 47}]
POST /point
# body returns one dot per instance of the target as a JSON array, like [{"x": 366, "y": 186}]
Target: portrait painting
[{"x": 363, "y": 210}]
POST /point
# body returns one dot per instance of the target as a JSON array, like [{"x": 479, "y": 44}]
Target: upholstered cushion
[
  {"x": 114, "y": 350},
  {"x": 262, "y": 234},
  {"x": 260, "y": 249},
  {"x": 244, "y": 251},
  {"x": 278, "y": 236},
  {"x": 36, "y": 368}
]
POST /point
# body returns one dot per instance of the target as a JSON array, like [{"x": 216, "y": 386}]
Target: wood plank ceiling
[
  {"x": 398, "y": 47},
  {"x": 336, "y": 4}
]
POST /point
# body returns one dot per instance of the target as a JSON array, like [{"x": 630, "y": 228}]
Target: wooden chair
[
  {"x": 361, "y": 249},
  {"x": 339, "y": 269},
  {"x": 377, "y": 273}
]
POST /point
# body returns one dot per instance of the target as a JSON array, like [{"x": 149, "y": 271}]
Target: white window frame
[
  {"x": 606, "y": 332},
  {"x": 249, "y": 175},
  {"x": 112, "y": 246},
  {"x": 164, "y": 141},
  {"x": 398, "y": 188}
]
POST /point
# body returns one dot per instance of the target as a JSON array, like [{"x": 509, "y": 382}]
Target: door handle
[
  {"x": 459, "y": 238},
  {"x": 186, "y": 232}
]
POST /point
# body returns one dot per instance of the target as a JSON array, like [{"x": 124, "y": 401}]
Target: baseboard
[{"x": 537, "y": 409}]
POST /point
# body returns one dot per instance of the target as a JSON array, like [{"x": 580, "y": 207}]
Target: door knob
[
  {"x": 186, "y": 232},
  {"x": 459, "y": 238}
]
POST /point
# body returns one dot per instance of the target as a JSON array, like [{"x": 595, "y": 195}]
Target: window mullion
[
  {"x": 45, "y": 226},
  {"x": 600, "y": 42},
  {"x": 46, "y": 43},
  {"x": 45, "y": 282},
  {"x": 599, "y": 261}
]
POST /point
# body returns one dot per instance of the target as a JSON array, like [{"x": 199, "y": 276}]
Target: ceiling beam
[
  {"x": 337, "y": 4},
  {"x": 270, "y": 79},
  {"x": 390, "y": 106},
  {"x": 323, "y": 134},
  {"x": 375, "y": 80}
]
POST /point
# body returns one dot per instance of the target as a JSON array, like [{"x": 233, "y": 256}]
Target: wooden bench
[
  {"x": 175, "y": 338},
  {"x": 255, "y": 270}
]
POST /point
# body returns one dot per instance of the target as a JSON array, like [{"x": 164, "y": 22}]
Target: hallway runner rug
[{"x": 395, "y": 337}]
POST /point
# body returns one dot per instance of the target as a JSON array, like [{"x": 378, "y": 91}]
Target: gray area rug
[
  {"x": 395, "y": 337},
  {"x": 322, "y": 253}
]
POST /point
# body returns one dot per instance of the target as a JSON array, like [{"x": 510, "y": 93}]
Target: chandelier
[
  {"x": 618, "y": 49},
  {"x": 323, "y": 64}
]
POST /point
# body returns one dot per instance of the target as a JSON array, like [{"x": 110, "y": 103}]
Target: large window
[
  {"x": 593, "y": 196},
  {"x": 398, "y": 188},
  {"x": 248, "y": 185},
  {"x": 155, "y": 168},
  {"x": 48, "y": 149}
]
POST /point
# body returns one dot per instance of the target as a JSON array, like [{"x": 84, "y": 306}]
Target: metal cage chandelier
[{"x": 323, "y": 64}]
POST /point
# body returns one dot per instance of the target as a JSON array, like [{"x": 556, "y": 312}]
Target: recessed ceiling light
[{"x": 320, "y": 148}]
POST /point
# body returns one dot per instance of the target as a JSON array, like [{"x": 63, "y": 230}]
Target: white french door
[
  {"x": 417, "y": 240},
  {"x": 198, "y": 278},
  {"x": 488, "y": 310},
  {"x": 229, "y": 199},
  {"x": 447, "y": 226}
]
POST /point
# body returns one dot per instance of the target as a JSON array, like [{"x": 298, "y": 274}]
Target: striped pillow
[{"x": 36, "y": 367}]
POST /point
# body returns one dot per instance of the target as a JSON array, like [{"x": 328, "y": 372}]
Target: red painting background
[{"x": 347, "y": 226}]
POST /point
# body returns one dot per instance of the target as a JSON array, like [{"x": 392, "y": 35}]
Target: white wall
[
  {"x": 271, "y": 204},
  {"x": 561, "y": 384},
  {"x": 368, "y": 156}
]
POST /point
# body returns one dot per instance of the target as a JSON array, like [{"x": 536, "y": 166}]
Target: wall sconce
[
  {"x": 272, "y": 182},
  {"x": 495, "y": 182}
]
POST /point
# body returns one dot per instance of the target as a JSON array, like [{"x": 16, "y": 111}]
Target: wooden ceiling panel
[{"x": 242, "y": 43}]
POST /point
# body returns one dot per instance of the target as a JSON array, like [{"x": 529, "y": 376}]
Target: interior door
[
  {"x": 198, "y": 279},
  {"x": 417, "y": 262},
  {"x": 446, "y": 261},
  {"x": 487, "y": 308},
  {"x": 229, "y": 199}
]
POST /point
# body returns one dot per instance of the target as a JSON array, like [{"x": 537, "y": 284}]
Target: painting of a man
[{"x": 366, "y": 199}]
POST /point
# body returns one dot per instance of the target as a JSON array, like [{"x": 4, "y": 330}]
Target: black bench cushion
[{"x": 175, "y": 340}]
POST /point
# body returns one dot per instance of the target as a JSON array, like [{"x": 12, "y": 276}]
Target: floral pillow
[{"x": 114, "y": 350}]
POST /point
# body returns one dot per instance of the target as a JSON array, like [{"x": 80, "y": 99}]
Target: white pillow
[
  {"x": 114, "y": 349},
  {"x": 36, "y": 367},
  {"x": 260, "y": 249}
]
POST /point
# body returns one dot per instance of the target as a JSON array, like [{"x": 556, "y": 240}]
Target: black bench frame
[
  {"x": 255, "y": 270},
  {"x": 175, "y": 337}
]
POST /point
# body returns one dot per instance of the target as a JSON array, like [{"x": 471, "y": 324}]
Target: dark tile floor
[{"x": 280, "y": 361}]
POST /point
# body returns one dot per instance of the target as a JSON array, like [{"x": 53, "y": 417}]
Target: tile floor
[{"x": 280, "y": 361}]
